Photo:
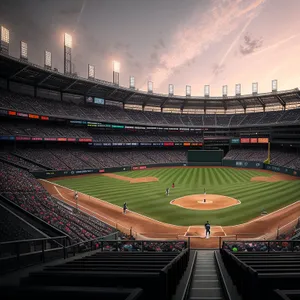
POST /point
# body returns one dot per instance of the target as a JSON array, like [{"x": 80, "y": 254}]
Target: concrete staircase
[{"x": 205, "y": 283}]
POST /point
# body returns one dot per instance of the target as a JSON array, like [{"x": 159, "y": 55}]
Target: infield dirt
[{"x": 145, "y": 227}]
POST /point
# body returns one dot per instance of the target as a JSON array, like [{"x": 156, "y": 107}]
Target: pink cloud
[{"x": 200, "y": 32}]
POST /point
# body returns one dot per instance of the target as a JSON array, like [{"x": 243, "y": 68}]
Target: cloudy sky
[{"x": 183, "y": 42}]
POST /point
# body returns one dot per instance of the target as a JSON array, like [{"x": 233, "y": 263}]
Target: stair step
[
  {"x": 205, "y": 282},
  {"x": 206, "y": 292}
]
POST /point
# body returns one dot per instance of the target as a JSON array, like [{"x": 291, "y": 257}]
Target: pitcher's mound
[{"x": 212, "y": 202}]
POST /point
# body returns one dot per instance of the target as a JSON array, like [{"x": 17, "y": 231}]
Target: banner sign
[
  {"x": 7, "y": 138},
  {"x": 31, "y": 116},
  {"x": 245, "y": 140},
  {"x": 36, "y": 139},
  {"x": 235, "y": 141},
  {"x": 243, "y": 164},
  {"x": 22, "y": 138},
  {"x": 263, "y": 140},
  {"x": 139, "y": 168}
]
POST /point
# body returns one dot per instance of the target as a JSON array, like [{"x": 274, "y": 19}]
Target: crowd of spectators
[
  {"x": 255, "y": 154},
  {"x": 146, "y": 246},
  {"x": 262, "y": 246},
  {"x": 283, "y": 243},
  {"x": 44, "y": 130},
  {"x": 9, "y": 100},
  {"x": 21, "y": 188},
  {"x": 278, "y": 158},
  {"x": 41, "y": 159}
]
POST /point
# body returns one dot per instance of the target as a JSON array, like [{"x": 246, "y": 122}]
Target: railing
[
  {"x": 17, "y": 254},
  {"x": 262, "y": 246}
]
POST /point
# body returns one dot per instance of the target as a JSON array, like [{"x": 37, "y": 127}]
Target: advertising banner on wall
[{"x": 243, "y": 164}]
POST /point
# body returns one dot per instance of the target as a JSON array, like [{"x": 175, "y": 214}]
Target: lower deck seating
[
  {"x": 286, "y": 295},
  {"x": 75, "y": 293},
  {"x": 157, "y": 274},
  {"x": 257, "y": 274}
]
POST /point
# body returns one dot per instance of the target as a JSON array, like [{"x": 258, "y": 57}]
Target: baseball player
[
  {"x": 167, "y": 191},
  {"x": 76, "y": 195},
  {"x": 125, "y": 208},
  {"x": 207, "y": 230}
]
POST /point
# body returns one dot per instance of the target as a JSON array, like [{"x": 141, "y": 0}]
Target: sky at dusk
[{"x": 182, "y": 42}]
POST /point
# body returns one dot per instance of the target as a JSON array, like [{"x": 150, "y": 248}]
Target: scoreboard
[{"x": 210, "y": 156}]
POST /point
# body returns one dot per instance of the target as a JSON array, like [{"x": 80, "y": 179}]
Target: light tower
[
  {"x": 116, "y": 72},
  {"x": 67, "y": 54}
]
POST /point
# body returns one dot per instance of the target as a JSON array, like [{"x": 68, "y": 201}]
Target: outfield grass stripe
[{"x": 149, "y": 198}]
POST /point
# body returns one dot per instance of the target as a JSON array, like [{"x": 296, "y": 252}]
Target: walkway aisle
[{"x": 205, "y": 284}]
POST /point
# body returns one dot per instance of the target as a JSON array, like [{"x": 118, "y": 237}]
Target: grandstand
[{"x": 59, "y": 126}]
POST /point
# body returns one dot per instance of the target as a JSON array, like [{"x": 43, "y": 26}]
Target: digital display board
[
  {"x": 89, "y": 100},
  {"x": 235, "y": 141},
  {"x": 253, "y": 140},
  {"x": 31, "y": 116},
  {"x": 99, "y": 101},
  {"x": 263, "y": 140},
  {"x": 245, "y": 140}
]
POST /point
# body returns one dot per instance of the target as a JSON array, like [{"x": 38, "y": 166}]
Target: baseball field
[{"x": 247, "y": 193}]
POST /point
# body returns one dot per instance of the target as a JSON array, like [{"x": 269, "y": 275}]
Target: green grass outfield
[{"x": 149, "y": 198}]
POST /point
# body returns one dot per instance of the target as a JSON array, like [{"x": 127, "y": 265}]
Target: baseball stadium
[{"x": 107, "y": 190}]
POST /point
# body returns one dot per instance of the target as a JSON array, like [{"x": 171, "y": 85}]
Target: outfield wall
[
  {"x": 53, "y": 173},
  {"x": 243, "y": 164},
  {"x": 226, "y": 163}
]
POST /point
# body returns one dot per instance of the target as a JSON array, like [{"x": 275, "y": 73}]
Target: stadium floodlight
[
  {"x": 23, "y": 50},
  {"x": 91, "y": 72},
  {"x": 4, "y": 35},
  {"x": 48, "y": 60},
  {"x": 131, "y": 82},
  {"x": 68, "y": 40},
  {"x": 171, "y": 89},
  {"x": 116, "y": 72},
  {"x": 254, "y": 88},
  {"x": 188, "y": 90},
  {"x": 206, "y": 90},
  {"x": 225, "y": 90},
  {"x": 274, "y": 85},
  {"x": 116, "y": 66},
  {"x": 238, "y": 89},
  {"x": 150, "y": 87},
  {"x": 4, "y": 40},
  {"x": 67, "y": 53}
]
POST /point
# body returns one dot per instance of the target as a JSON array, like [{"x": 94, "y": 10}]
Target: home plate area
[{"x": 199, "y": 231}]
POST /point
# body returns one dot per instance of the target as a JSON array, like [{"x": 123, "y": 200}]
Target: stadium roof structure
[{"x": 20, "y": 71}]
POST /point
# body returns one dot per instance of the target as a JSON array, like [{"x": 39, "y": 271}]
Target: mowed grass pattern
[{"x": 149, "y": 198}]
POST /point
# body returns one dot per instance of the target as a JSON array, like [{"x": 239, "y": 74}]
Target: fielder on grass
[{"x": 167, "y": 191}]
